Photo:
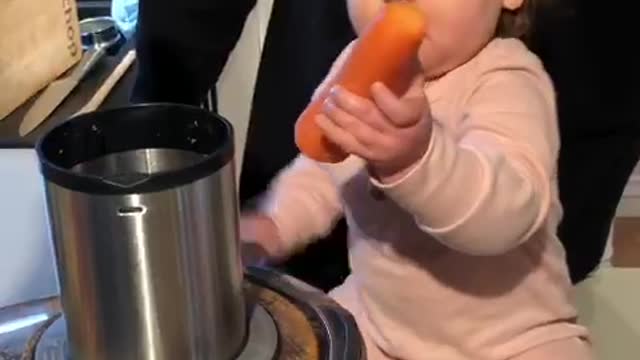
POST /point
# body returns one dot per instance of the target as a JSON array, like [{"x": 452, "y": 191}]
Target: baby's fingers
[
  {"x": 340, "y": 137},
  {"x": 402, "y": 112},
  {"x": 362, "y": 131},
  {"x": 359, "y": 107}
]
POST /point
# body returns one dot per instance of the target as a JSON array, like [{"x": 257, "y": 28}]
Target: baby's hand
[
  {"x": 259, "y": 239},
  {"x": 390, "y": 133}
]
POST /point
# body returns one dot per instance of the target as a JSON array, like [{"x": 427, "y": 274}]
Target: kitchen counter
[{"x": 119, "y": 95}]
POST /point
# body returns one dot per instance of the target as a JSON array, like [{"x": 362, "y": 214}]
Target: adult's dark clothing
[
  {"x": 590, "y": 52},
  {"x": 183, "y": 46}
]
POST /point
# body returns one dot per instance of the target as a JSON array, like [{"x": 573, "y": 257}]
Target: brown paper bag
[{"x": 39, "y": 40}]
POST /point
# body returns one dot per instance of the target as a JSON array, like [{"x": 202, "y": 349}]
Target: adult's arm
[
  {"x": 183, "y": 45},
  {"x": 590, "y": 52}
]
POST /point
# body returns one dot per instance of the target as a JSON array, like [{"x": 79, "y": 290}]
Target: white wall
[{"x": 237, "y": 81}]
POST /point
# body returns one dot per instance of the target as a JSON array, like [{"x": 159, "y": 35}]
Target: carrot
[{"x": 385, "y": 52}]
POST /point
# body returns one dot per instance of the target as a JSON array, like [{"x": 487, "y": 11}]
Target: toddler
[{"x": 450, "y": 196}]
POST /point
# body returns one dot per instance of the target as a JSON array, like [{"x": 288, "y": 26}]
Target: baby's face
[{"x": 456, "y": 29}]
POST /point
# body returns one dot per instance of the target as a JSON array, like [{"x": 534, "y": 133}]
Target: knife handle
[
  {"x": 89, "y": 61},
  {"x": 109, "y": 83}
]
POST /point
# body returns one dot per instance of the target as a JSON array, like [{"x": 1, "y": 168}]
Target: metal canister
[{"x": 142, "y": 208}]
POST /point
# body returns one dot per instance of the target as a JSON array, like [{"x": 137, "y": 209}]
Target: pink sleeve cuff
[
  {"x": 304, "y": 204},
  {"x": 461, "y": 197},
  {"x": 433, "y": 175}
]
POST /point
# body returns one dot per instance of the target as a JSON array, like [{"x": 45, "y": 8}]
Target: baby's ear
[{"x": 512, "y": 5}]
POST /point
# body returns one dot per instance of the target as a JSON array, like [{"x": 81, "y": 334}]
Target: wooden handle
[{"x": 109, "y": 83}]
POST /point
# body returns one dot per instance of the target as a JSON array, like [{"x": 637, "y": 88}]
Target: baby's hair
[{"x": 517, "y": 24}]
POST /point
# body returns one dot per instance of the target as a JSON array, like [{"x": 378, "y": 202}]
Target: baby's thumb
[
  {"x": 416, "y": 89},
  {"x": 415, "y": 103},
  {"x": 401, "y": 112}
]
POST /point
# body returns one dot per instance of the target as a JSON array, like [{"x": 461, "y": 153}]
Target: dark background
[{"x": 89, "y": 8}]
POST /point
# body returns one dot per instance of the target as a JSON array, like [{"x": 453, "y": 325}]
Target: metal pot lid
[{"x": 99, "y": 32}]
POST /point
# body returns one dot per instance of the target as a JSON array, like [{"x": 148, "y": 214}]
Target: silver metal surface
[
  {"x": 53, "y": 344},
  {"x": 97, "y": 32},
  {"x": 128, "y": 168},
  {"x": 262, "y": 341},
  {"x": 153, "y": 276},
  {"x": 19, "y": 323}
]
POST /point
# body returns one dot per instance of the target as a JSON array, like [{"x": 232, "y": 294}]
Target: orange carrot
[{"x": 385, "y": 52}]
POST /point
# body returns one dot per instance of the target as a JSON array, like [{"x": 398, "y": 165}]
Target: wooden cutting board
[{"x": 39, "y": 40}]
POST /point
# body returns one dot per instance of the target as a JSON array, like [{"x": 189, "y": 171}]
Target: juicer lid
[{"x": 154, "y": 126}]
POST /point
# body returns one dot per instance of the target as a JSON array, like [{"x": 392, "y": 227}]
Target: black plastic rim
[{"x": 143, "y": 126}]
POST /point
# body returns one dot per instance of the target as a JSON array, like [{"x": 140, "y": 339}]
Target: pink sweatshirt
[{"x": 459, "y": 259}]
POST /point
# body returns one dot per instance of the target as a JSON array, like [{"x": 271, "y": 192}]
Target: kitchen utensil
[
  {"x": 99, "y": 32},
  {"x": 109, "y": 83},
  {"x": 98, "y": 35},
  {"x": 143, "y": 213}
]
